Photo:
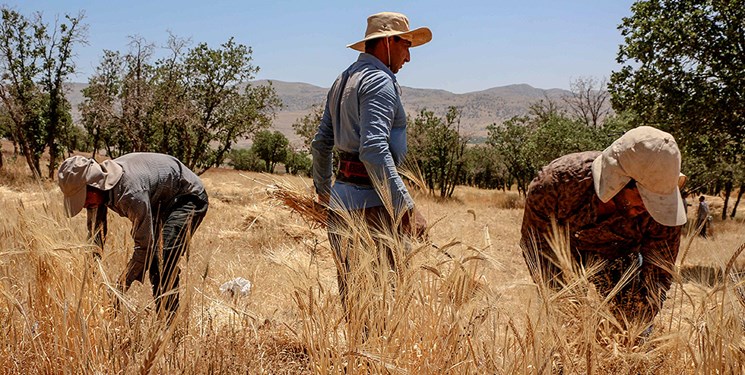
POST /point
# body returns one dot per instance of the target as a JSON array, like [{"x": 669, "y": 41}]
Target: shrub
[
  {"x": 299, "y": 162},
  {"x": 246, "y": 160}
]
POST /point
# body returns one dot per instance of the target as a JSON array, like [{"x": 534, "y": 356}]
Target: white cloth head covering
[
  {"x": 77, "y": 172},
  {"x": 650, "y": 157}
]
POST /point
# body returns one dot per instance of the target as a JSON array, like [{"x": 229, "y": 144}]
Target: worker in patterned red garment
[{"x": 621, "y": 206}]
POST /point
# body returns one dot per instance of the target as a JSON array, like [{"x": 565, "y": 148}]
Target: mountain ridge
[{"x": 478, "y": 108}]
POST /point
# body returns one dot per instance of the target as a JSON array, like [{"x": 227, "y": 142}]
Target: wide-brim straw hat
[
  {"x": 650, "y": 157},
  {"x": 78, "y": 172},
  {"x": 387, "y": 24}
]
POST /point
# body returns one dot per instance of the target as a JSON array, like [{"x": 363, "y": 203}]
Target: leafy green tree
[
  {"x": 173, "y": 113},
  {"x": 193, "y": 104},
  {"x": 35, "y": 61},
  {"x": 684, "y": 72},
  {"x": 245, "y": 159},
  {"x": 224, "y": 112},
  {"x": 56, "y": 49},
  {"x": 100, "y": 110},
  {"x": 17, "y": 89},
  {"x": 512, "y": 140},
  {"x": 483, "y": 168},
  {"x": 437, "y": 147},
  {"x": 271, "y": 147},
  {"x": 136, "y": 102},
  {"x": 307, "y": 126},
  {"x": 74, "y": 139},
  {"x": 117, "y": 112},
  {"x": 298, "y": 162},
  {"x": 560, "y": 135},
  {"x": 525, "y": 144}
]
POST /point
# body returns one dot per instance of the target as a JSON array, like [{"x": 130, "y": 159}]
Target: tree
[
  {"x": 307, "y": 126},
  {"x": 35, "y": 61},
  {"x": 137, "y": 94},
  {"x": 18, "y": 90},
  {"x": 512, "y": 141},
  {"x": 740, "y": 193},
  {"x": 298, "y": 162},
  {"x": 557, "y": 136},
  {"x": 5, "y": 129},
  {"x": 173, "y": 113},
  {"x": 224, "y": 112},
  {"x": 437, "y": 147},
  {"x": 193, "y": 104},
  {"x": 119, "y": 103},
  {"x": 483, "y": 168},
  {"x": 544, "y": 109},
  {"x": 244, "y": 159},
  {"x": 525, "y": 144},
  {"x": 57, "y": 65},
  {"x": 99, "y": 110},
  {"x": 271, "y": 147},
  {"x": 589, "y": 101},
  {"x": 684, "y": 71}
]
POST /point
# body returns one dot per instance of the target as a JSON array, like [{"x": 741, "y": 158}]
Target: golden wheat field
[{"x": 463, "y": 304}]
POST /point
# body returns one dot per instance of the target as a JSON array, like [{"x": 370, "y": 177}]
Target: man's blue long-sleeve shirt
[{"x": 364, "y": 116}]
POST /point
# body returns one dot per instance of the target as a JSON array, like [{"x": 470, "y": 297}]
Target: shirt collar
[{"x": 370, "y": 59}]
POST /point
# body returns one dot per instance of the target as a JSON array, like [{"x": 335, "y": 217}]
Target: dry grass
[{"x": 465, "y": 305}]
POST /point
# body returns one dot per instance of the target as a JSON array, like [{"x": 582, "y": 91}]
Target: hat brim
[
  {"x": 608, "y": 177},
  {"x": 112, "y": 172},
  {"x": 666, "y": 209},
  {"x": 78, "y": 172},
  {"x": 417, "y": 37},
  {"x": 74, "y": 202}
]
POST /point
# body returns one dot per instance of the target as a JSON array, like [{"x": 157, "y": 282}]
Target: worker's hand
[
  {"x": 323, "y": 199},
  {"x": 135, "y": 271},
  {"x": 414, "y": 224},
  {"x": 321, "y": 206}
]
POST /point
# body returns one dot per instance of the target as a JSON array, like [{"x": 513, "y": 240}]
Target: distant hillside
[{"x": 479, "y": 108}]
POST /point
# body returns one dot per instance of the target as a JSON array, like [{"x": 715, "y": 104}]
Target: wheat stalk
[{"x": 301, "y": 203}]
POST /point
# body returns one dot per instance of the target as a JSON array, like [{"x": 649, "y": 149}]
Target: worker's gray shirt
[{"x": 149, "y": 186}]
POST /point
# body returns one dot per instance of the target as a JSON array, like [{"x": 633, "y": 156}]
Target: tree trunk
[
  {"x": 53, "y": 129},
  {"x": 727, "y": 192},
  {"x": 737, "y": 202},
  {"x": 31, "y": 160},
  {"x": 53, "y": 158}
]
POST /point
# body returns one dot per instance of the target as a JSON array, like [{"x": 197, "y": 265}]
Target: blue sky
[{"x": 476, "y": 44}]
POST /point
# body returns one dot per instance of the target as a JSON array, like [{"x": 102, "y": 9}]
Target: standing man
[
  {"x": 365, "y": 122},
  {"x": 702, "y": 216},
  {"x": 164, "y": 200},
  {"x": 621, "y": 206}
]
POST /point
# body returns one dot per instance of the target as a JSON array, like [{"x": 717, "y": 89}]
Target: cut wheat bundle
[{"x": 301, "y": 202}]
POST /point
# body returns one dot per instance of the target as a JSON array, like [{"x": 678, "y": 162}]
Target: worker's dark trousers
[{"x": 178, "y": 225}]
